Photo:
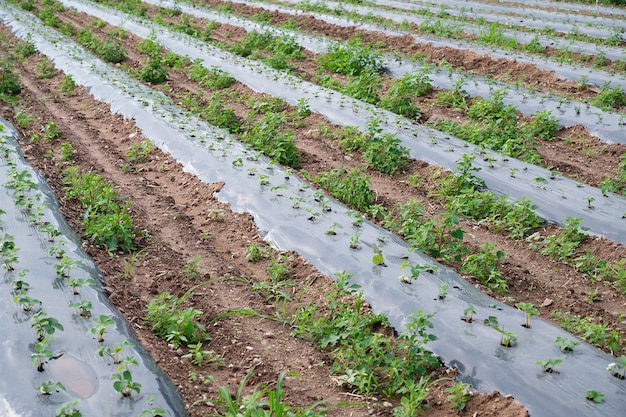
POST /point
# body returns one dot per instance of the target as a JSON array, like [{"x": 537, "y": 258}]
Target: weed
[
  {"x": 25, "y": 48},
  {"x": 351, "y": 58},
  {"x": 22, "y": 118},
  {"x": 9, "y": 81},
  {"x": 274, "y": 141},
  {"x": 399, "y": 97},
  {"x": 193, "y": 268},
  {"x": 483, "y": 266},
  {"x": 153, "y": 71},
  {"x": 255, "y": 252},
  {"x": 198, "y": 355},
  {"x": 45, "y": 69},
  {"x": 139, "y": 152},
  {"x": 67, "y": 150},
  {"x": 459, "y": 395},
  {"x": 563, "y": 245},
  {"x": 50, "y": 130},
  {"x": 172, "y": 323},
  {"x": 351, "y": 187}
]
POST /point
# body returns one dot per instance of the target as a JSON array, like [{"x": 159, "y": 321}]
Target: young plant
[
  {"x": 68, "y": 409},
  {"x": 124, "y": 383},
  {"x": 199, "y": 355},
  {"x": 594, "y": 395},
  {"x": 549, "y": 364},
  {"x": 102, "y": 322},
  {"x": 355, "y": 241},
  {"x": 67, "y": 85},
  {"x": 459, "y": 395},
  {"x": 192, "y": 268},
  {"x": 255, "y": 252},
  {"x": 565, "y": 344},
  {"x": 378, "y": 258},
  {"x": 332, "y": 229},
  {"x": 42, "y": 353},
  {"x": 84, "y": 307},
  {"x": 47, "y": 387},
  {"x": 172, "y": 323},
  {"x": 529, "y": 311},
  {"x": 507, "y": 339},
  {"x": 469, "y": 313},
  {"x": 8, "y": 252},
  {"x": 77, "y": 283},
  {"x": 618, "y": 368},
  {"x": 443, "y": 290},
  {"x": 114, "y": 353},
  {"x": 44, "y": 324},
  {"x": 25, "y": 302},
  {"x": 65, "y": 265},
  {"x": 49, "y": 230}
]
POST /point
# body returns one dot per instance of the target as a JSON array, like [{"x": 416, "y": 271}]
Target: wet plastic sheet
[
  {"x": 473, "y": 348},
  {"x": 85, "y": 375}
]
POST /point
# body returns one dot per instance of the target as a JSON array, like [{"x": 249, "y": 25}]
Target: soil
[{"x": 181, "y": 218}]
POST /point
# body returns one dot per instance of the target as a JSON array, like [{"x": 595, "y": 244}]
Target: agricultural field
[{"x": 314, "y": 208}]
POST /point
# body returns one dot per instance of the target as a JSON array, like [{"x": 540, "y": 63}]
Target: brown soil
[{"x": 182, "y": 219}]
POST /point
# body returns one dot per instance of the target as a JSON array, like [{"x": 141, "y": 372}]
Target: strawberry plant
[
  {"x": 8, "y": 252},
  {"x": 44, "y": 325},
  {"x": 84, "y": 307},
  {"x": 529, "y": 311},
  {"x": 548, "y": 365},
  {"x": 102, "y": 322},
  {"x": 565, "y": 344},
  {"x": 469, "y": 313},
  {"x": 594, "y": 395},
  {"x": 618, "y": 368},
  {"x": 48, "y": 387},
  {"x": 42, "y": 354},
  {"x": 507, "y": 338},
  {"x": 77, "y": 283}
]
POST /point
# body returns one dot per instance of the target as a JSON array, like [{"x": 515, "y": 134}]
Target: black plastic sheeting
[
  {"x": 556, "y": 200},
  {"x": 473, "y": 348},
  {"x": 608, "y": 127},
  {"x": 86, "y": 375}
]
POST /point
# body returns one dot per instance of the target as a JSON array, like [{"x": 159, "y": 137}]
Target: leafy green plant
[
  {"x": 111, "y": 51},
  {"x": 483, "y": 266},
  {"x": 84, "y": 307},
  {"x": 469, "y": 313},
  {"x": 48, "y": 387},
  {"x": 459, "y": 395},
  {"x": 529, "y": 311},
  {"x": 26, "y": 302},
  {"x": 68, "y": 409},
  {"x": 563, "y": 245},
  {"x": 50, "y": 130},
  {"x": 42, "y": 353},
  {"x": 255, "y": 252},
  {"x": 8, "y": 252},
  {"x": 44, "y": 325},
  {"x": 22, "y": 118},
  {"x": 115, "y": 353},
  {"x": 378, "y": 258},
  {"x": 594, "y": 395},
  {"x": 198, "y": 355},
  {"x": 172, "y": 323},
  {"x": 401, "y": 94},
  {"x": 65, "y": 265},
  {"x": 351, "y": 58},
  {"x": 565, "y": 344},
  {"x": 77, "y": 283},
  {"x": 102, "y": 322},
  {"x": 269, "y": 137},
  {"x": 618, "y": 368},
  {"x": 507, "y": 338},
  {"x": 193, "y": 268},
  {"x": 352, "y": 187},
  {"x": 139, "y": 152},
  {"x": 548, "y": 365},
  {"x": 9, "y": 81},
  {"x": 67, "y": 150},
  {"x": 153, "y": 71},
  {"x": 45, "y": 69}
]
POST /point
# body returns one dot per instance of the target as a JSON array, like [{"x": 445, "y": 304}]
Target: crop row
[{"x": 462, "y": 203}]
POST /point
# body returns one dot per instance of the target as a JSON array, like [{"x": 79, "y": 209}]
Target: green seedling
[
  {"x": 65, "y": 265},
  {"x": 332, "y": 229},
  {"x": 44, "y": 324},
  {"x": 565, "y": 344},
  {"x": 68, "y": 409},
  {"x": 507, "y": 339},
  {"x": 529, "y": 311},
  {"x": 549, "y": 364},
  {"x": 594, "y": 395},
  {"x": 77, "y": 283},
  {"x": 403, "y": 277},
  {"x": 48, "y": 387},
  {"x": 102, "y": 322},
  {"x": 255, "y": 252},
  {"x": 42, "y": 353},
  {"x": 378, "y": 258},
  {"x": 590, "y": 200},
  {"x": 198, "y": 355},
  {"x": 355, "y": 241},
  {"x": 469, "y": 313},
  {"x": 84, "y": 307},
  {"x": 115, "y": 353},
  {"x": 193, "y": 268},
  {"x": 50, "y": 231},
  {"x": 8, "y": 252},
  {"x": 124, "y": 383},
  {"x": 443, "y": 290},
  {"x": 25, "y": 302},
  {"x": 19, "y": 283},
  {"x": 57, "y": 250},
  {"x": 618, "y": 368}
]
